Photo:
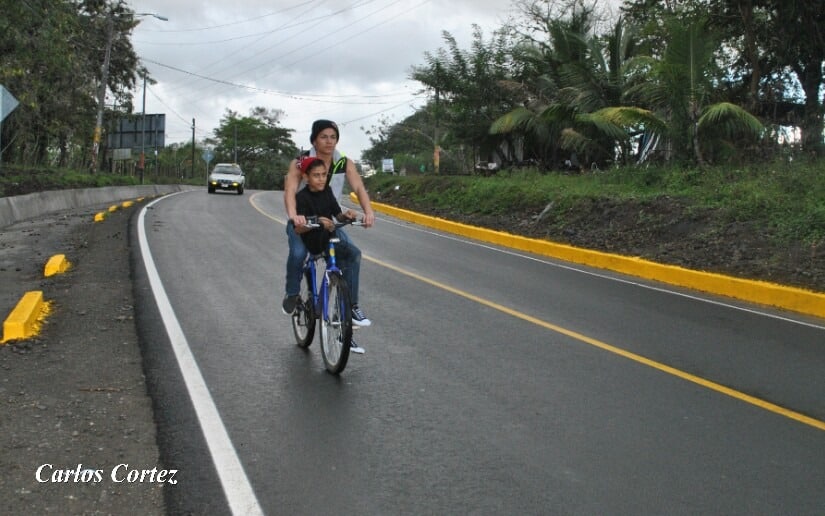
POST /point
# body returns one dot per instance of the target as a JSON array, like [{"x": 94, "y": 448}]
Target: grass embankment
[
  {"x": 762, "y": 222},
  {"x": 789, "y": 200}
]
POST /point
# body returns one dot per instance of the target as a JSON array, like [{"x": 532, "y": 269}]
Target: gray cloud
[{"x": 349, "y": 61}]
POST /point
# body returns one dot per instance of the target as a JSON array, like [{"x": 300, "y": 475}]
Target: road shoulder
[{"x": 75, "y": 402}]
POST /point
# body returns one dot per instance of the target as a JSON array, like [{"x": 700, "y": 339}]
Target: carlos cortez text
[{"x": 122, "y": 473}]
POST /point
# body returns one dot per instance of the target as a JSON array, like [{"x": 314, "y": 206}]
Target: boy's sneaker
[
  {"x": 289, "y": 304},
  {"x": 355, "y": 348},
  {"x": 358, "y": 317}
]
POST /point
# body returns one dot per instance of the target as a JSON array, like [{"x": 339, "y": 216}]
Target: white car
[{"x": 226, "y": 176}]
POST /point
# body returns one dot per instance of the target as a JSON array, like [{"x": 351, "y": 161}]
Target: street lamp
[{"x": 104, "y": 78}]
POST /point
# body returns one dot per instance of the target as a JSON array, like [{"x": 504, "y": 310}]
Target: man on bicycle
[{"x": 324, "y": 139}]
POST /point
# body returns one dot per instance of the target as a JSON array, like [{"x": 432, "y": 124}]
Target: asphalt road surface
[{"x": 494, "y": 382}]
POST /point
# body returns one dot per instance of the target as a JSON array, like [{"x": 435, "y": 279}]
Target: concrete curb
[
  {"x": 23, "y": 321},
  {"x": 23, "y": 207},
  {"x": 57, "y": 264},
  {"x": 762, "y": 292}
]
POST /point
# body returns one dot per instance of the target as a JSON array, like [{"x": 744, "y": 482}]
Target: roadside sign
[
  {"x": 7, "y": 105},
  {"x": 208, "y": 156},
  {"x": 7, "y": 102}
]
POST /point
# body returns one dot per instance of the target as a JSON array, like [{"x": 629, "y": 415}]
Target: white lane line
[{"x": 236, "y": 486}]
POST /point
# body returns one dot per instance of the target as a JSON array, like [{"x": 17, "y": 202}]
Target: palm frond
[
  {"x": 632, "y": 117},
  {"x": 519, "y": 118},
  {"x": 729, "y": 120}
]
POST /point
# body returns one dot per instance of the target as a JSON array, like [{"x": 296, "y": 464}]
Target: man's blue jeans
[{"x": 347, "y": 255}]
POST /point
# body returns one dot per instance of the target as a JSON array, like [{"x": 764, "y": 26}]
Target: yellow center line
[{"x": 733, "y": 393}]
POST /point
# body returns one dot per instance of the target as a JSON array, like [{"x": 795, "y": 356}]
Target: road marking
[
  {"x": 766, "y": 405},
  {"x": 235, "y": 483},
  {"x": 605, "y": 276},
  {"x": 612, "y": 349}
]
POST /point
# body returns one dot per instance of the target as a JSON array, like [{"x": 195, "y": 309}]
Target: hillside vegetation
[{"x": 760, "y": 222}]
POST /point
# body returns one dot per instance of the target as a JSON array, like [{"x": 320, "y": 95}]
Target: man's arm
[
  {"x": 357, "y": 186},
  {"x": 291, "y": 182}
]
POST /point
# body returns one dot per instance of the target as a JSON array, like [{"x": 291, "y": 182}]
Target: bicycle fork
[{"x": 331, "y": 268}]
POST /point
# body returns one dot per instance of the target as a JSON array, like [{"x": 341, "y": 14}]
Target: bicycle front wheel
[
  {"x": 336, "y": 325},
  {"x": 303, "y": 318}
]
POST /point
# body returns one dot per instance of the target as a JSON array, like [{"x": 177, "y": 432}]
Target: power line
[{"x": 295, "y": 96}]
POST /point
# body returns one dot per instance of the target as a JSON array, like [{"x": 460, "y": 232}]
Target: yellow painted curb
[
  {"x": 762, "y": 292},
  {"x": 24, "y": 320},
  {"x": 57, "y": 264},
  {"x": 100, "y": 216}
]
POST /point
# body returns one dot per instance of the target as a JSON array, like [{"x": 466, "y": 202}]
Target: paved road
[{"x": 494, "y": 382}]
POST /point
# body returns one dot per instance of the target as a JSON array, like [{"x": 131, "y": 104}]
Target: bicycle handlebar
[{"x": 312, "y": 223}]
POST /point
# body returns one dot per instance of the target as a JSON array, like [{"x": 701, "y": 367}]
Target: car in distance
[{"x": 226, "y": 176}]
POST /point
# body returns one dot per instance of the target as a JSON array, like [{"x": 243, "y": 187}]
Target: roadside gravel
[{"x": 73, "y": 400}]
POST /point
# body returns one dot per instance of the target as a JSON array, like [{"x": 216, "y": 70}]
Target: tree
[
  {"x": 258, "y": 143},
  {"x": 773, "y": 50},
  {"x": 468, "y": 91},
  {"x": 572, "y": 74},
  {"x": 50, "y": 58},
  {"x": 680, "y": 88}
]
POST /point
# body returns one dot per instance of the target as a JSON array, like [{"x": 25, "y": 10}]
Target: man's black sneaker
[
  {"x": 358, "y": 317},
  {"x": 355, "y": 348},
  {"x": 289, "y": 304}
]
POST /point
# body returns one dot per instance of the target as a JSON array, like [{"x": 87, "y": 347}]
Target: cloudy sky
[{"x": 348, "y": 61}]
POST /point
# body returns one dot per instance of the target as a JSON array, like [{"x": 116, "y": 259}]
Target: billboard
[{"x": 129, "y": 133}]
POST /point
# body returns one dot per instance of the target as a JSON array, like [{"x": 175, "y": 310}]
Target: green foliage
[
  {"x": 787, "y": 198},
  {"x": 17, "y": 180}
]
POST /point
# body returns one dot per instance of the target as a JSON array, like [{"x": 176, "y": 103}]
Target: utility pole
[
  {"x": 437, "y": 148},
  {"x": 142, "y": 162},
  {"x": 193, "y": 148},
  {"x": 104, "y": 78},
  {"x": 101, "y": 92}
]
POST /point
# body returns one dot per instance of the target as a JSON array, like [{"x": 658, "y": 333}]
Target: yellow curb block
[
  {"x": 762, "y": 292},
  {"x": 113, "y": 208},
  {"x": 100, "y": 216},
  {"x": 127, "y": 204},
  {"x": 57, "y": 264},
  {"x": 24, "y": 321}
]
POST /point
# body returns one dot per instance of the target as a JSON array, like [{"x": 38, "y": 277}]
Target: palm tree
[
  {"x": 583, "y": 75},
  {"x": 679, "y": 87}
]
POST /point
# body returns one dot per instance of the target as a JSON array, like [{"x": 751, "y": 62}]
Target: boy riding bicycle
[{"x": 318, "y": 200}]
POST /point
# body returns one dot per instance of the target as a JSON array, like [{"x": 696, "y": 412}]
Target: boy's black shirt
[{"x": 317, "y": 204}]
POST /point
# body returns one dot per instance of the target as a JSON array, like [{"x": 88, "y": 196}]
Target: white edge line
[{"x": 235, "y": 483}]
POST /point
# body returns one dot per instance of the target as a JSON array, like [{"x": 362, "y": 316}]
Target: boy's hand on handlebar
[{"x": 328, "y": 224}]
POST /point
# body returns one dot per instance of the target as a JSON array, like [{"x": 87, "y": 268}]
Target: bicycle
[{"x": 330, "y": 306}]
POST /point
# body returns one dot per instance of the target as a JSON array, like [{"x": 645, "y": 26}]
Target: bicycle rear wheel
[
  {"x": 303, "y": 318},
  {"x": 336, "y": 325}
]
